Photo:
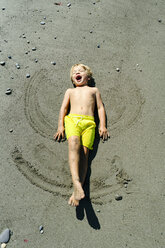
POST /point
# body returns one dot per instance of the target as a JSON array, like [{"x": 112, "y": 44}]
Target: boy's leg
[
  {"x": 84, "y": 153},
  {"x": 74, "y": 161}
]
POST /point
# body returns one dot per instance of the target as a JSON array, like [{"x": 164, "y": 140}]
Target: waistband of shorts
[{"x": 86, "y": 117}]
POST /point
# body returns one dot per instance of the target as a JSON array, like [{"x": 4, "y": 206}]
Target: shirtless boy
[{"x": 79, "y": 126}]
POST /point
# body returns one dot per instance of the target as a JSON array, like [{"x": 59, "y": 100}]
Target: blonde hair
[{"x": 89, "y": 72}]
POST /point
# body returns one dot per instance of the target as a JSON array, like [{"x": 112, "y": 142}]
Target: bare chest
[{"x": 83, "y": 96}]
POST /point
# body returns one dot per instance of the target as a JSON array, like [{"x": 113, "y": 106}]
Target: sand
[{"x": 34, "y": 175}]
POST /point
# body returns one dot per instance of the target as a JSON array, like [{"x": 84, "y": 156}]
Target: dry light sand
[{"x": 34, "y": 175}]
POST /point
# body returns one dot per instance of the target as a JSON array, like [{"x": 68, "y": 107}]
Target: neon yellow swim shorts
[{"x": 82, "y": 126}]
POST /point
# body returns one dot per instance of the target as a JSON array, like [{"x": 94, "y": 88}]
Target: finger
[
  {"x": 63, "y": 136},
  {"x": 55, "y": 136},
  {"x": 106, "y": 136},
  {"x": 100, "y": 133},
  {"x": 59, "y": 137},
  {"x": 103, "y": 135}
]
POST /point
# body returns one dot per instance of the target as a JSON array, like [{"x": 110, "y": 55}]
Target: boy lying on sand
[{"x": 79, "y": 125}]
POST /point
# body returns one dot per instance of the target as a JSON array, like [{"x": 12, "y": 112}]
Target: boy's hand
[
  {"x": 60, "y": 135},
  {"x": 103, "y": 133}
]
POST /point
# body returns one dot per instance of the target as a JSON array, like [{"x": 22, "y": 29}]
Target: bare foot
[
  {"x": 72, "y": 201},
  {"x": 78, "y": 190}
]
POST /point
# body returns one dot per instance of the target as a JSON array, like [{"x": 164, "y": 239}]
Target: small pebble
[
  {"x": 5, "y": 236},
  {"x": 8, "y": 91},
  {"x": 55, "y": 37},
  {"x": 2, "y": 63},
  {"x": 9, "y": 57},
  {"x": 159, "y": 20},
  {"x": 98, "y": 210},
  {"x": 117, "y": 69},
  {"x": 11, "y": 130},
  {"x": 27, "y": 75},
  {"x": 53, "y": 63},
  {"x": 118, "y": 197},
  {"x": 34, "y": 49},
  {"x": 44, "y": 17},
  {"x": 42, "y": 231},
  {"x": 137, "y": 65},
  {"x": 17, "y": 66},
  {"x": 42, "y": 23},
  {"x": 91, "y": 31},
  {"x": 36, "y": 60},
  {"x": 28, "y": 41},
  {"x": 41, "y": 228},
  {"x": 98, "y": 46},
  {"x": 140, "y": 70},
  {"x": 3, "y": 245},
  {"x": 3, "y": 8},
  {"x": 23, "y": 36},
  {"x": 26, "y": 52},
  {"x": 69, "y": 4},
  {"x": 12, "y": 77},
  {"x": 57, "y": 3}
]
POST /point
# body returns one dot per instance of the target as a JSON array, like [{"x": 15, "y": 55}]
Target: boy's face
[{"x": 79, "y": 76}]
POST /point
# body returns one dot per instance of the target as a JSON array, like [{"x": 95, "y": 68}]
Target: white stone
[
  {"x": 3, "y": 245},
  {"x": 41, "y": 228},
  {"x": 27, "y": 75},
  {"x": 8, "y": 91},
  {"x": 2, "y": 63}
]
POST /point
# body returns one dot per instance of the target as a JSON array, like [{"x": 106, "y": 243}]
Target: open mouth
[{"x": 78, "y": 78}]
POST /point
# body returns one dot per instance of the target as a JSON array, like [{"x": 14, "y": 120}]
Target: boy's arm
[
  {"x": 102, "y": 116},
  {"x": 60, "y": 134}
]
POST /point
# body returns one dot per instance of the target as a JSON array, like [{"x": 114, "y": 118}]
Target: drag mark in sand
[
  {"x": 58, "y": 181},
  {"x": 35, "y": 177},
  {"x": 124, "y": 101},
  {"x": 33, "y": 111}
]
